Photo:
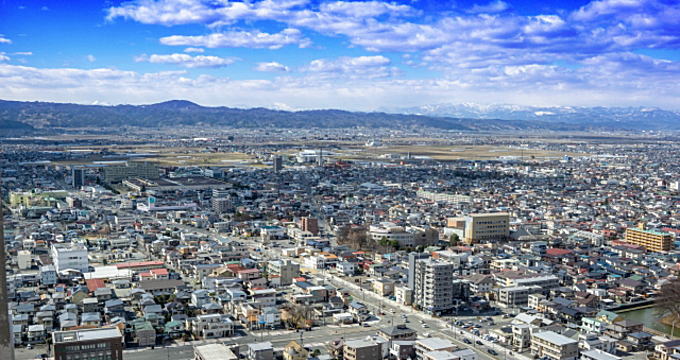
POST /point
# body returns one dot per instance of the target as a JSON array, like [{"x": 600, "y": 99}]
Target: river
[{"x": 651, "y": 319}]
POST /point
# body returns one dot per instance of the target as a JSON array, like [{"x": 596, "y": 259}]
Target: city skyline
[{"x": 362, "y": 55}]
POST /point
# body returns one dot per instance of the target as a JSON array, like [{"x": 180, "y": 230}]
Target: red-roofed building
[
  {"x": 94, "y": 284},
  {"x": 141, "y": 266}
]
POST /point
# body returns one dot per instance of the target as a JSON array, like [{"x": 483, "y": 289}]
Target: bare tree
[{"x": 669, "y": 298}]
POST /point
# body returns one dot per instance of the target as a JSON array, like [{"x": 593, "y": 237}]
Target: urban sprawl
[{"x": 342, "y": 244}]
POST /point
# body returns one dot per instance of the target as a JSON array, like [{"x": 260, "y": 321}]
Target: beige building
[
  {"x": 553, "y": 346},
  {"x": 487, "y": 227},
  {"x": 651, "y": 240}
]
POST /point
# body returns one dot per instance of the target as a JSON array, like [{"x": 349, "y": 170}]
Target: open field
[{"x": 463, "y": 152}]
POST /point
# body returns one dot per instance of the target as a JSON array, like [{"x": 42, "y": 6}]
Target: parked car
[{"x": 492, "y": 351}]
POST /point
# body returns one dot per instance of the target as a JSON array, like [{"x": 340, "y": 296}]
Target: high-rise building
[
  {"x": 88, "y": 344},
  {"x": 277, "y": 163},
  {"x": 77, "y": 177},
  {"x": 6, "y": 346},
  {"x": 433, "y": 288},
  {"x": 220, "y": 205},
  {"x": 486, "y": 227},
  {"x": 651, "y": 240},
  {"x": 412, "y": 258}
]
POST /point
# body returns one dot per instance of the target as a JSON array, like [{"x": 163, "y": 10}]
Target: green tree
[{"x": 454, "y": 239}]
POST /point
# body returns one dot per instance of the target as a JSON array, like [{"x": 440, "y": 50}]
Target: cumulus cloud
[
  {"x": 247, "y": 39},
  {"x": 272, "y": 66},
  {"x": 91, "y": 58},
  {"x": 194, "y": 50},
  {"x": 3, "y": 57},
  {"x": 188, "y": 61},
  {"x": 4, "y": 40}
]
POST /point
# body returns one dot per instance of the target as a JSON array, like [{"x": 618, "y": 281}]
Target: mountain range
[
  {"x": 640, "y": 118},
  {"x": 26, "y": 116}
]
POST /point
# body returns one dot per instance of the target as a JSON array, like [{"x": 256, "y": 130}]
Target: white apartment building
[
  {"x": 553, "y": 346},
  {"x": 285, "y": 269},
  {"x": 212, "y": 326},
  {"x": 433, "y": 288},
  {"x": 70, "y": 256}
]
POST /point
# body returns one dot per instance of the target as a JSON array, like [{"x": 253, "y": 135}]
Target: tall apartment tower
[
  {"x": 277, "y": 164},
  {"x": 433, "y": 289},
  {"x": 77, "y": 177},
  {"x": 310, "y": 224},
  {"x": 6, "y": 346},
  {"x": 320, "y": 157},
  {"x": 412, "y": 258}
]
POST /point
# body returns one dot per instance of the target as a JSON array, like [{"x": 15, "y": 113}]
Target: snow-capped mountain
[{"x": 609, "y": 117}]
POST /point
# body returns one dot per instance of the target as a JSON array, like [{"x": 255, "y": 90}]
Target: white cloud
[
  {"x": 271, "y": 67},
  {"x": 492, "y": 7},
  {"x": 188, "y": 61},
  {"x": 3, "y": 57},
  {"x": 353, "y": 67},
  {"x": 624, "y": 79},
  {"x": 248, "y": 39},
  {"x": 23, "y": 53},
  {"x": 194, "y": 50},
  {"x": 4, "y": 40},
  {"x": 91, "y": 58}
]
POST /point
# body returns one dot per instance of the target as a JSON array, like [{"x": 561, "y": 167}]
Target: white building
[
  {"x": 73, "y": 256},
  {"x": 212, "y": 326},
  {"x": 433, "y": 289},
  {"x": 24, "y": 259}
]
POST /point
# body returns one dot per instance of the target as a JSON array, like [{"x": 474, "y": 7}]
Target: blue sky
[{"x": 357, "y": 55}]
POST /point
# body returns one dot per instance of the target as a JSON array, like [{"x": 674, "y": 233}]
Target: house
[
  {"x": 361, "y": 350},
  {"x": 294, "y": 351},
  {"x": 427, "y": 345},
  {"x": 260, "y": 351}
]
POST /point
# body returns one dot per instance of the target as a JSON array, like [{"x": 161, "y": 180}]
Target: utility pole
[{"x": 6, "y": 346}]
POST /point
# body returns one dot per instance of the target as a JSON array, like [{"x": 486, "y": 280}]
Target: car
[
  {"x": 492, "y": 351},
  {"x": 479, "y": 342},
  {"x": 426, "y": 326},
  {"x": 427, "y": 334},
  {"x": 467, "y": 341},
  {"x": 366, "y": 325}
]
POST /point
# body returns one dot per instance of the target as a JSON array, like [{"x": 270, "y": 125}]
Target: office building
[
  {"x": 88, "y": 344},
  {"x": 433, "y": 287},
  {"x": 70, "y": 256},
  {"x": 77, "y": 177},
  {"x": 551, "y": 345},
  {"x": 517, "y": 295},
  {"x": 487, "y": 227},
  {"x": 131, "y": 169},
  {"x": 651, "y": 240}
]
